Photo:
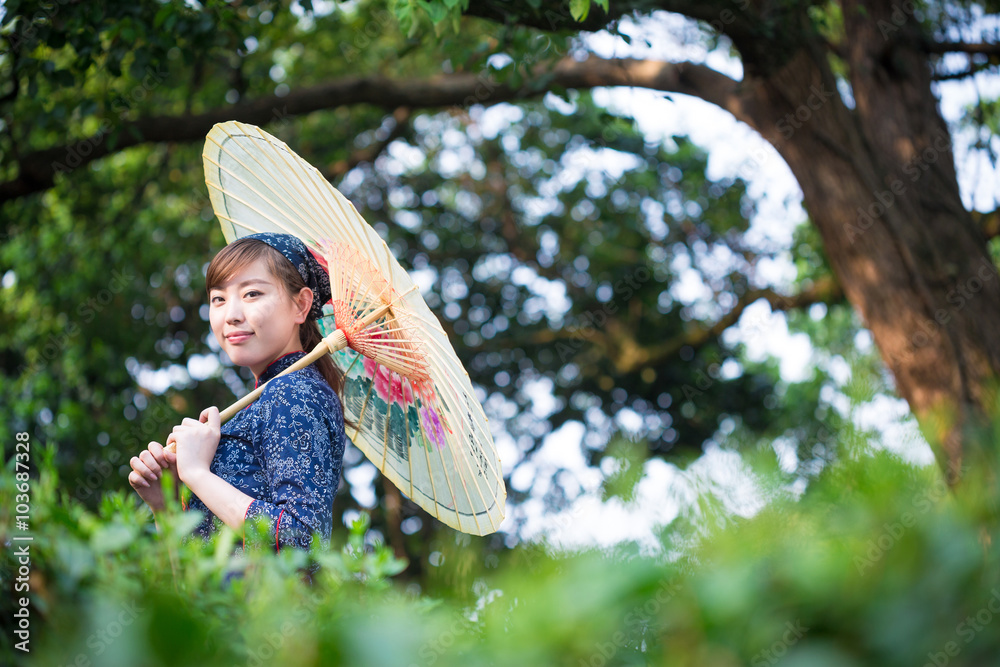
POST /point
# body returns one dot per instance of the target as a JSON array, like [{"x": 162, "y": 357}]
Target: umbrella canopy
[{"x": 416, "y": 414}]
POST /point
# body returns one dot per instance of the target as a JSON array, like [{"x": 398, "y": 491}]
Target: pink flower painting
[{"x": 390, "y": 386}]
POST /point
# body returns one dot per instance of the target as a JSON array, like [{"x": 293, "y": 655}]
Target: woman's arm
[{"x": 225, "y": 500}]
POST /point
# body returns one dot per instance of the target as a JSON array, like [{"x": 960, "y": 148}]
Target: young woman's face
[{"x": 254, "y": 319}]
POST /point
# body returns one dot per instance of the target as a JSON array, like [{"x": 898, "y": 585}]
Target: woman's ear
[{"x": 303, "y": 304}]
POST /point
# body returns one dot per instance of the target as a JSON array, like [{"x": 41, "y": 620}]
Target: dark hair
[{"x": 242, "y": 252}]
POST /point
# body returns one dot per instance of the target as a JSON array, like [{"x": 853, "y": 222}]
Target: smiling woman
[
  {"x": 279, "y": 458},
  {"x": 253, "y": 317}
]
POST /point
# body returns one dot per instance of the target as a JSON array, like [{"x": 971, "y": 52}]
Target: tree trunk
[{"x": 879, "y": 183}]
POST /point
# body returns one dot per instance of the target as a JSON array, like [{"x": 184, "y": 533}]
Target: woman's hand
[
  {"x": 147, "y": 469},
  {"x": 196, "y": 444}
]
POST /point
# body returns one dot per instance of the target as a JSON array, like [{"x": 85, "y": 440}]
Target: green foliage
[
  {"x": 628, "y": 458},
  {"x": 879, "y": 564},
  {"x": 580, "y": 9},
  {"x": 441, "y": 14}
]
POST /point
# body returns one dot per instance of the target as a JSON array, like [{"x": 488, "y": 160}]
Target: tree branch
[
  {"x": 37, "y": 170},
  {"x": 964, "y": 74},
  {"x": 823, "y": 291},
  {"x": 628, "y": 355},
  {"x": 735, "y": 18},
  {"x": 962, "y": 47}
]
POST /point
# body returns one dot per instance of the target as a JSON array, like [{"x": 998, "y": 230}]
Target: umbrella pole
[{"x": 335, "y": 341}]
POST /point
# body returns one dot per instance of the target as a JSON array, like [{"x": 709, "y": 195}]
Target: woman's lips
[{"x": 238, "y": 338}]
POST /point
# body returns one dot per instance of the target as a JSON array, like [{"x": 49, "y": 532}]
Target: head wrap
[{"x": 312, "y": 272}]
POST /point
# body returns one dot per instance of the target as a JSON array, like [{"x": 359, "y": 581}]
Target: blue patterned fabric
[
  {"x": 312, "y": 272},
  {"x": 285, "y": 450}
]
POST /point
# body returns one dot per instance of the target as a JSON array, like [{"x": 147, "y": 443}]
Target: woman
[{"x": 280, "y": 457}]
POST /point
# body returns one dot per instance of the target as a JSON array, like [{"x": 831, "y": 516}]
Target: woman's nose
[{"x": 234, "y": 311}]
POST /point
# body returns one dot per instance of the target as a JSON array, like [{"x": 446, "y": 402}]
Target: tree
[
  {"x": 497, "y": 219},
  {"x": 876, "y": 168}
]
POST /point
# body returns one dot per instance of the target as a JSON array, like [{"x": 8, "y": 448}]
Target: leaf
[
  {"x": 113, "y": 537},
  {"x": 579, "y": 9},
  {"x": 435, "y": 10},
  {"x": 161, "y": 15},
  {"x": 75, "y": 560}
]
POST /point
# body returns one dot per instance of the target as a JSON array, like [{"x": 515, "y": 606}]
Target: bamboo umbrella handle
[{"x": 335, "y": 341}]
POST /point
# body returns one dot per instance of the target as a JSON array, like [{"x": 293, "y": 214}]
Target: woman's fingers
[
  {"x": 159, "y": 455},
  {"x": 141, "y": 468},
  {"x": 147, "y": 457},
  {"x": 211, "y": 417},
  {"x": 136, "y": 480},
  {"x": 172, "y": 440}
]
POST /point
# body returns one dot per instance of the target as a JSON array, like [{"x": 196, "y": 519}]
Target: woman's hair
[{"x": 241, "y": 252}]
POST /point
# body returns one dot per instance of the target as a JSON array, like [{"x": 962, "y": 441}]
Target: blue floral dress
[{"x": 285, "y": 450}]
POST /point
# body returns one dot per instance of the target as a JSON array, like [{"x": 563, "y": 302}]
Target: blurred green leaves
[
  {"x": 878, "y": 565},
  {"x": 626, "y": 459}
]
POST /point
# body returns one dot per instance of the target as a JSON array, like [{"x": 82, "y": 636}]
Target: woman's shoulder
[{"x": 305, "y": 385}]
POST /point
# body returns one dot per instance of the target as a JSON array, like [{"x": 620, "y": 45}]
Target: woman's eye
[
  {"x": 215, "y": 297},
  {"x": 251, "y": 293}
]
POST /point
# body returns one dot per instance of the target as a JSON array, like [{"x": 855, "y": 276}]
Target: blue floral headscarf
[{"x": 313, "y": 274}]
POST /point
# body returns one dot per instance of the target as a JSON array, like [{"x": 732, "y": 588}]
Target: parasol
[{"x": 416, "y": 414}]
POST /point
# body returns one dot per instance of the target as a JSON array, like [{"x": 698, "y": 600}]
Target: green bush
[{"x": 877, "y": 564}]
